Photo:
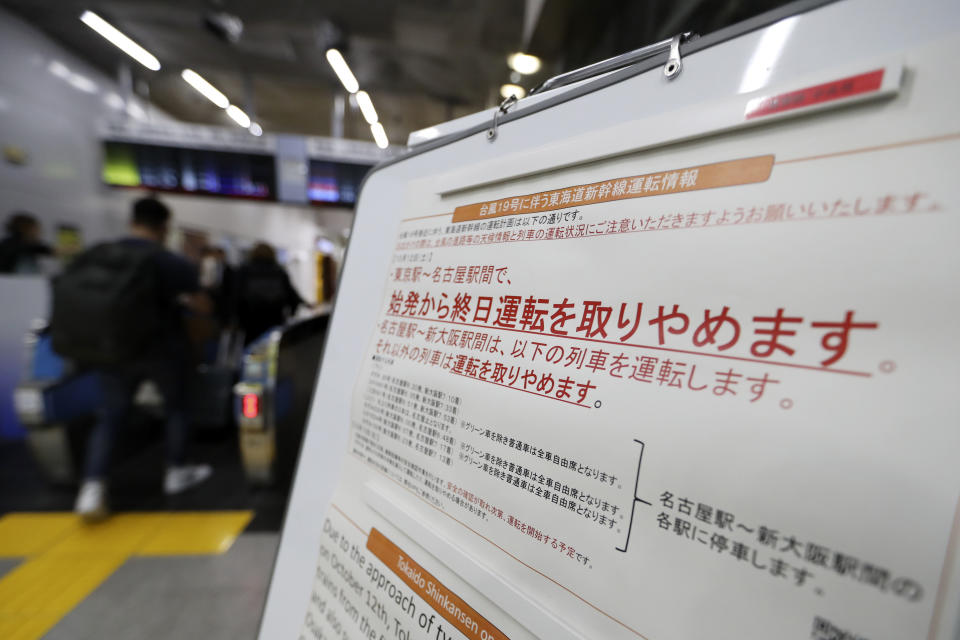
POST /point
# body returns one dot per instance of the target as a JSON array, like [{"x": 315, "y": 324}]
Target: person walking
[
  {"x": 265, "y": 296},
  {"x": 118, "y": 309}
]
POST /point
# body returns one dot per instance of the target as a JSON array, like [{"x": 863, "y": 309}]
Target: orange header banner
[
  {"x": 707, "y": 176},
  {"x": 447, "y": 603}
]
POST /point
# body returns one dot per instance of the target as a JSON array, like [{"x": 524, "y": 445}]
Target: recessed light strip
[
  {"x": 379, "y": 135},
  {"x": 206, "y": 89},
  {"x": 350, "y": 83},
  {"x": 366, "y": 107},
  {"x": 237, "y": 115},
  {"x": 120, "y": 40},
  {"x": 340, "y": 67}
]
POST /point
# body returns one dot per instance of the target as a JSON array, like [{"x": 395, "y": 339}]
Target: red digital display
[{"x": 250, "y": 405}]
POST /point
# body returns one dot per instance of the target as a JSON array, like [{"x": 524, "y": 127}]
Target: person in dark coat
[
  {"x": 21, "y": 249},
  {"x": 265, "y": 297}
]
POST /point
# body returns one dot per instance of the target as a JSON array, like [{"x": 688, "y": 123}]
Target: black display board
[{"x": 200, "y": 171}]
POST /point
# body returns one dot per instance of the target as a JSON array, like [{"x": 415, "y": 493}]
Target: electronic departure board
[
  {"x": 202, "y": 171},
  {"x": 335, "y": 182}
]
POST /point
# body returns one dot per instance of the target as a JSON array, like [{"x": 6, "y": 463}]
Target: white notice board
[{"x": 667, "y": 360}]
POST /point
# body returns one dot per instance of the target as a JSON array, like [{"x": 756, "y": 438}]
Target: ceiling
[{"x": 422, "y": 61}]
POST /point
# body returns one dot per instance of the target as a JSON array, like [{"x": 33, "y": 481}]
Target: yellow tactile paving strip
[
  {"x": 195, "y": 533},
  {"x": 67, "y": 559}
]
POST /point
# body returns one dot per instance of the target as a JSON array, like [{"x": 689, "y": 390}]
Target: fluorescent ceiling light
[
  {"x": 379, "y": 135},
  {"x": 366, "y": 107},
  {"x": 134, "y": 110},
  {"x": 209, "y": 91},
  {"x": 524, "y": 63},
  {"x": 120, "y": 40},
  {"x": 75, "y": 80},
  {"x": 256, "y": 129},
  {"x": 82, "y": 83},
  {"x": 114, "y": 101},
  {"x": 59, "y": 69},
  {"x": 238, "y": 116},
  {"x": 508, "y": 90},
  {"x": 335, "y": 58}
]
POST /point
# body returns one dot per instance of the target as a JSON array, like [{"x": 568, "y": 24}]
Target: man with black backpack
[{"x": 118, "y": 309}]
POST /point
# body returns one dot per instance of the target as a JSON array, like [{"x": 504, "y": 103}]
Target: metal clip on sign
[
  {"x": 674, "y": 65},
  {"x": 504, "y": 106},
  {"x": 671, "y": 45},
  {"x": 671, "y": 70}
]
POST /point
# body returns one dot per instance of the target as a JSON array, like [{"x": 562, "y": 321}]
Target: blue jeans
[{"x": 170, "y": 372}]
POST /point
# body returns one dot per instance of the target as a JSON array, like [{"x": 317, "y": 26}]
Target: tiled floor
[
  {"x": 210, "y": 597},
  {"x": 181, "y": 568},
  {"x": 160, "y": 568}
]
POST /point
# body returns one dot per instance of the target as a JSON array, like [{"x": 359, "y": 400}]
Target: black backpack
[
  {"x": 263, "y": 289},
  {"x": 106, "y": 304}
]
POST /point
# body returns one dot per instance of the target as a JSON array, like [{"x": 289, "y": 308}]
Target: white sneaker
[
  {"x": 179, "y": 479},
  {"x": 92, "y": 501}
]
